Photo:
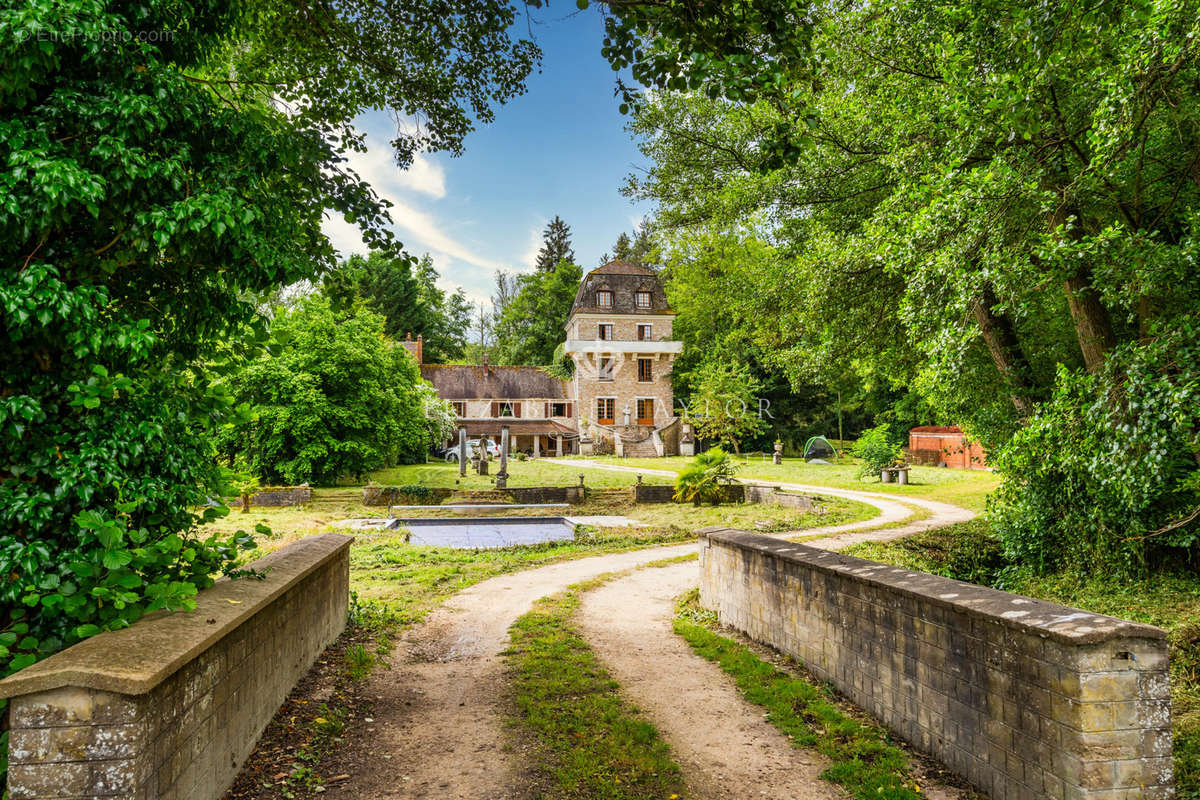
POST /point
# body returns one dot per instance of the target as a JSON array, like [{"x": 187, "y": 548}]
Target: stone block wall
[
  {"x": 772, "y": 494},
  {"x": 540, "y": 494},
  {"x": 282, "y": 496},
  {"x": 653, "y": 493},
  {"x": 1024, "y": 699},
  {"x": 170, "y": 707},
  {"x": 397, "y": 496}
]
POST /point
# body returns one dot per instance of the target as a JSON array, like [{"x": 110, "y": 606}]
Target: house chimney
[
  {"x": 414, "y": 348},
  {"x": 486, "y": 370}
]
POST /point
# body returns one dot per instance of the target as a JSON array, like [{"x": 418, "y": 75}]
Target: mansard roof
[
  {"x": 490, "y": 382},
  {"x": 622, "y": 279}
]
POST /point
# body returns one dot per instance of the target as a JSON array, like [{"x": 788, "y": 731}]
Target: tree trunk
[
  {"x": 1092, "y": 324},
  {"x": 1005, "y": 348}
]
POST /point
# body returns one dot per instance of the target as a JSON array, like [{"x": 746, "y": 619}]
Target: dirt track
[{"x": 437, "y": 729}]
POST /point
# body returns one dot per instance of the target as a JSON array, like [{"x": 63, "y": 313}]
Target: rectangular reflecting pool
[{"x": 489, "y": 532}]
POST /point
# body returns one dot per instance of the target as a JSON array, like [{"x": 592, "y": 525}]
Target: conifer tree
[{"x": 556, "y": 246}]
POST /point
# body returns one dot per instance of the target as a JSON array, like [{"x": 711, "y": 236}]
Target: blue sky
[{"x": 561, "y": 148}]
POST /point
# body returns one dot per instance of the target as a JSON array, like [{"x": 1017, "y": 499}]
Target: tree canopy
[
  {"x": 993, "y": 203},
  {"x": 164, "y": 167},
  {"x": 405, "y": 292},
  {"x": 531, "y": 325},
  {"x": 556, "y": 246},
  {"x": 332, "y": 397}
]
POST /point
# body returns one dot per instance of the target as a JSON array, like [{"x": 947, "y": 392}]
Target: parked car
[{"x": 451, "y": 453}]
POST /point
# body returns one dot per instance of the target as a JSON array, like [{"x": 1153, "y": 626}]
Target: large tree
[
  {"x": 405, "y": 291},
  {"x": 151, "y": 190},
  {"x": 996, "y": 203},
  {"x": 333, "y": 397},
  {"x": 634, "y": 249},
  {"x": 531, "y": 326},
  {"x": 556, "y": 246}
]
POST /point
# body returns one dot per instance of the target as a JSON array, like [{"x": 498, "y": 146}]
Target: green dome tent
[{"x": 818, "y": 447}]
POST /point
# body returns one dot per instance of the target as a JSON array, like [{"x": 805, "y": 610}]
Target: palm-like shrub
[{"x": 705, "y": 479}]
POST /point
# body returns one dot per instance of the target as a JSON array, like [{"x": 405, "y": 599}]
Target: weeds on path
[
  {"x": 594, "y": 742},
  {"x": 862, "y": 759}
]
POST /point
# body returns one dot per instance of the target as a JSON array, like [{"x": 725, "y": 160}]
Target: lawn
[
  {"x": 407, "y": 581},
  {"x": 531, "y": 472},
  {"x": 1171, "y": 601},
  {"x": 961, "y": 487}
]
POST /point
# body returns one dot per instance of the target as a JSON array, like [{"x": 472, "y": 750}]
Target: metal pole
[{"x": 841, "y": 441}]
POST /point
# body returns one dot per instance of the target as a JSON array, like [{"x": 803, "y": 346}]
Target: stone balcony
[{"x": 606, "y": 346}]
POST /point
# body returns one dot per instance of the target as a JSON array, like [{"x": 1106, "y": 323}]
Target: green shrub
[
  {"x": 333, "y": 398},
  {"x": 877, "y": 450},
  {"x": 705, "y": 479},
  {"x": 1106, "y": 475},
  {"x": 359, "y": 662}
]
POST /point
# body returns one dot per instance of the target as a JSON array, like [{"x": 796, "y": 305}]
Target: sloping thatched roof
[{"x": 468, "y": 382}]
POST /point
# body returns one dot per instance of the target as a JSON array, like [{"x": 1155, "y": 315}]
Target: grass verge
[
  {"x": 967, "y": 488},
  {"x": 408, "y": 582},
  {"x": 864, "y": 762},
  {"x": 594, "y": 743},
  {"x": 1171, "y": 601}
]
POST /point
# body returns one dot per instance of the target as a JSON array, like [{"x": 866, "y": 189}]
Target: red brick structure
[{"x": 944, "y": 445}]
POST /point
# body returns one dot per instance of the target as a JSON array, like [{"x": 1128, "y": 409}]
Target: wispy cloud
[
  {"x": 429, "y": 233},
  {"x": 532, "y": 245},
  {"x": 417, "y": 228}
]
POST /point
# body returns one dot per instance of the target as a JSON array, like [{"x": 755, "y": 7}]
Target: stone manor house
[{"x": 619, "y": 399}]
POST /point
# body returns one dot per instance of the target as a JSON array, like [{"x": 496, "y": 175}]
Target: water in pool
[{"x": 489, "y": 532}]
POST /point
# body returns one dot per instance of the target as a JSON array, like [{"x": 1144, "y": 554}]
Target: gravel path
[
  {"x": 725, "y": 747},
  {"x": 438, "y": 725}
]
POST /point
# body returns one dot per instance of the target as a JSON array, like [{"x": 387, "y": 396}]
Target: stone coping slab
[
  {"x": 134, "y": 660},
  {"x": 1051, "y": 620}
]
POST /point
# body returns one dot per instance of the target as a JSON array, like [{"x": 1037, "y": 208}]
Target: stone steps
[{"x": 642, "y": 449}]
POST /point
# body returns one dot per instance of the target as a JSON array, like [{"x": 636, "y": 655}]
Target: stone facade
[
  {"x": 169, "y": 708},
  {"x": 620, "y": 317},
  {"x": 1024, "y": 699}
]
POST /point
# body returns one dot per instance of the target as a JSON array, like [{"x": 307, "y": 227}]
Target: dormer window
[
  {"x": 641, "y": 299},
  {"x": 604, "y": 298}
]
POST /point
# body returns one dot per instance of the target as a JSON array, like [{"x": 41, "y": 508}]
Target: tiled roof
[
  {"x": 622, "y": 268},
  {"x": 468, "y": 382},
  {"x": 524, "y": 427},
  {"x": 623, "y": 280}
]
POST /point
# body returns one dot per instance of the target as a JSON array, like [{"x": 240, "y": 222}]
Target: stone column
[
  {"x": 462, "y": 452},
  {"x": 558, "y": 445},
  {"x": 482, "y": 467},
  {"x": 502, "y": 475},
  {"x": 537, "y": 445},
  {"x": 777, "y": 457}
]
